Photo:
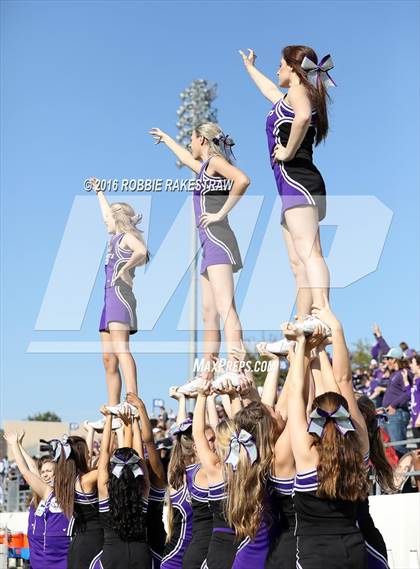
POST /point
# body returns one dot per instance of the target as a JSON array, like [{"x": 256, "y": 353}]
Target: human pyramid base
[{"x": 267, "y": 480}]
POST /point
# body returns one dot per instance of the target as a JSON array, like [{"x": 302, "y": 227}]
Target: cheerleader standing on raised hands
[
  {"x": 210, "y": 159},
  {"x": 126, "y": 250},
  {"x": 292, "y": 128}
]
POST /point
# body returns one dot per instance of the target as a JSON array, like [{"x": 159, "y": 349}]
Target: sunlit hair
[
  {"x": 293, "y": 56},
  {"x": 384, "y": 473},
  {"x": 126, "y": 495},
  {"x": 224, "y": 430},
  {"x": 126, "y": 220},
  {"x": 211, "y": 130},
  {"x": 246, "y": 486},
  {"x": 66, "y": 472},
  {"x": 182, "y": 455},
  {"x": 342, "y": 472},
  {"x": 40, "y": 463}
]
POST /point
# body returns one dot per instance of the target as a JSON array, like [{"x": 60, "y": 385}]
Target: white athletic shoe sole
[
  {"x": 279, "y": 348},
  {"x": 232, "y": 376},
  {"x": 190, "y": 386},
  {"x": 122, "y": 408}
]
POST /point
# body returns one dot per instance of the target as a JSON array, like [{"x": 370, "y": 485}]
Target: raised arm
[
  {"x": 103, "y": 203},
  {"x": 213, "y": 418},
  {"x": 137, "y": 438},
  {"x": 271, "y": 383},
  {"x": 30, "y": 462},
  {"x": 182, "y": 404},
  {"x": 180, "y": 152},
  {"x": 35, "y": 482},
  {"x": 146, "y": 436},
  {"x": 342, "y": 369},
  {"x": 208, "y": 458},
  {"x": 297, "y": 421},
  {"x": 104, "y": 455},
  {"x": 267, "y": 87}
]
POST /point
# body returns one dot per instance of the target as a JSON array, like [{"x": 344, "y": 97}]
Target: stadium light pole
[{"x": 195, "y": 108}]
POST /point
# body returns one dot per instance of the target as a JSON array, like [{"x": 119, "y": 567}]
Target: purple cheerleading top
[
  {"x": 182, "y": 529},
  {"x": 119, "y": 301},
  {"x": 415, "y": 400},
  {"x": 218, "y": 241}
]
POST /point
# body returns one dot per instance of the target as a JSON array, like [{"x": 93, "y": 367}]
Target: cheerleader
[
  {"x": 123, "y": 489},
  {"x": 235, "y": 475},
  {"x": 330, "y": 455},
  {"x": 292, "y": 129},
  {"x": 126, "y": 250},
  {"x": 36, "y": 519},
  {"x": 375, "y": 544},
  {"x": 202, "y": 517},
  {"x": 51, "y": 514},
  {"x": 214, "y": 197},
  {"x": 155, "y": 528},
  {"x": 180, "y": 513}
]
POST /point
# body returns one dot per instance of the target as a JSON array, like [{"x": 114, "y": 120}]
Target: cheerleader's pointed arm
[
  {"x": 267, "y": 87},
  {"x": 30, "y": 462},
  {"x": 180, "y": 152},
  {"x": 103, "y": 202}
]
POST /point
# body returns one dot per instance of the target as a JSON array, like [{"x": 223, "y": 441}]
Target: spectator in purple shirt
[
  {"x": 415, "y": 397},
  {"x": 380, "y": 348},
  {"x": 396, "y": 399}
]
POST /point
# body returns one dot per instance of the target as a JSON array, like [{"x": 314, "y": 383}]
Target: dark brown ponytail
[{"x": 293, "y": 56}]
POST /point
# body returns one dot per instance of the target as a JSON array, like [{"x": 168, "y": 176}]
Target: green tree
[
  {"x": 361, "y": 355},
  {"x": 46, "y": 416}
]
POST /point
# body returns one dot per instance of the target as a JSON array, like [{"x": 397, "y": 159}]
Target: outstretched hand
[
  {"x": 158, "y": 135},
  {"x": 248, "y": 59},
  {"x": 134, "y": 399},
  {"x": 325, "y": 314}
]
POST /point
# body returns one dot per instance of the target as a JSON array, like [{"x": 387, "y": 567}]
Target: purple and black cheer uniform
[
  {"x": 119, "y": 301},
  {"x": 375, "y": 544},
  {"x": 202, "y": 521},
  {"x": 88, "y": 534},
  {"x": 225, "y": 551},
  {"x": 282, "y": 554},
  {"x": 326, "y": 529},
  {"x": 36, "y": 533},
  {"x": 181, "y": 529},
  {"x": 299, "y": 182},
  {"x": 155, "y": 528},
  {"x": 120, "y": 554},
  {"x": 218, "y": 242}
]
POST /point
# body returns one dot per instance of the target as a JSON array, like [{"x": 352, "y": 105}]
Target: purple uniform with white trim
[
  {"x": 155, "y": 529},
  {"x": 218, "y": 241},
  {"x": 202, "y": 521},
  {"x": 57, "y": 535},
  {"x": 36, "y": 531},
  {"x": 225, "y": 552},
  {"x": 375, "y": 544},
  {"x": 182, "y": 529},
  {"x": 282, "y": 553},
  {"x": 415, "y": 400},
  {"x": 326, "y": 530},
  {"x": 119, "y": 302},
  {"x": 299, "y": 182}
]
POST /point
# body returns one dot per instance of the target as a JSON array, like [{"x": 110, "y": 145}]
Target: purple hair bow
[
  {"x": 58, "y": 447},
  {"x": 182, "y": 427},
  {"x": 340, "y": 416},
  {"x": 133, "y": 463},
  {"x": 247, "y": 441},
  {"x": 319, "y": 72}
]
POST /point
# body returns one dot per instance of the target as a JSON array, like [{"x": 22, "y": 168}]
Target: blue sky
[{"x": 82, "y": 82}]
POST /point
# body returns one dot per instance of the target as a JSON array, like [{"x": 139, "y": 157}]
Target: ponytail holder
[
  {"x": 247, "y": 441},
  {"x": 319, "y": 72},
  {"x": 57, "y": 447},
  {"x": 340, "y": 417}
]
